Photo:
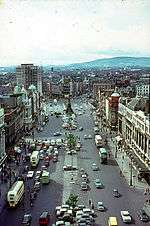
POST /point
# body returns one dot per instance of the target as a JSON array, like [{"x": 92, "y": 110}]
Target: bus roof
[
  {"x": 45, "y": 173},
  {"x": 98, "y": 137},
  {"x": 16, "y": 186},
  {"x": 35, "y": 153},
  {"x": 103, "y": 150}
]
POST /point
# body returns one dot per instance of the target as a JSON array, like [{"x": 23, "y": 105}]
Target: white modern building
[
  {"x": 2, "y": 137},
  {"x": 143, "y": 90},
  {"x": 28, "y": 74}
]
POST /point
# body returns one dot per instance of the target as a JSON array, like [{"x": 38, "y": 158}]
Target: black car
[
  {"x": 116, "y": 193},
  {"x": 27, "y": 218},
  {"x": 143, "y": 216}
]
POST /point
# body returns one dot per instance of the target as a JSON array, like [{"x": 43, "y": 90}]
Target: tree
[
  {"x": 71, "y": 140},
  {"x": 72, "y": 201}
]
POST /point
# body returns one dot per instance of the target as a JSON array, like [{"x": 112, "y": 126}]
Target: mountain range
[{"x": 106, "y": 63}]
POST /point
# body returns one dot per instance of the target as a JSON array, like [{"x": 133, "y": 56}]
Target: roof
[{"x": 136, "y": 104}]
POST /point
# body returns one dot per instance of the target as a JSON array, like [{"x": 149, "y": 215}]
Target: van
[
  {"x": 112, "y": 221},
  {"x": 44, "y": 218}
]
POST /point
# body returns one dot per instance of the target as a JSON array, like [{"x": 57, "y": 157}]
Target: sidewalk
[{"x": 123, "y": 162}]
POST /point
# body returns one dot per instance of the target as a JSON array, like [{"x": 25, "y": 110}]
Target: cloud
[{"x": 57, "y": 31}]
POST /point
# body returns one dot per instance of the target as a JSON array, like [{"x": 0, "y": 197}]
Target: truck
[
  {"x": 99, "y": 141},
  {"x": 34, "y": 158},
  {"x": 103, "y": 155}
]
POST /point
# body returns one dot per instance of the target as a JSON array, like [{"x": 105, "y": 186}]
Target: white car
[
  {"x": 30, "y": 174},
  {"x": 126, "y": 217},
  {"x": 85, "y": 136},
  {"x": 95, "y": 167},
  {"x": 100, "y": 206},
  {"x": 89, "y": 136}
]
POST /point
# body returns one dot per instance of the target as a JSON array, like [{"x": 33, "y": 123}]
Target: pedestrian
[
  {"x": 92, "y": 205},
  {"x": 109, "y": 154},
  {"x": 90, "y": 202}
]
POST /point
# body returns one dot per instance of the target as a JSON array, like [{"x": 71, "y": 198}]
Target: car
[
  {"x": 84, "y": 186},
  {"x": 55, "y": 159},
  {"x": 27, "y": 218},
  {"x": 126, "y": 217},
  {"x": 57, "y": 134},
  {"x": 37, "y": 186},
  {"x": 30, "y": 174},
  {"x": 41, "y": 156},
  {"x": 116, "y": 193},
  {"x": 85, "y": 136},
  {"x": 95, "y": 167},
  {"x": 38, "y": 175},
  {"x": 100, "y": 206},
  {"x": 89, "y": 136},
  {"x": 67, "y": 167},
  {"x": 98, "y": 183},
  {"x": 84, "y": 178},
  {"x": 79, "y": 207},
  {"x": 44, "y": 218},
  {"x": 81, "y": 129},
  {"x": 46, "y": 163},
  {"x": 89, "y": 211},
  {"x": 143, "y": 216},
  {"x": 43, "y": 168}
]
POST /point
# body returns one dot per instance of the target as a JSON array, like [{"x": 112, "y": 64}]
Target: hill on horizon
[{"x": 105, "y": 63}]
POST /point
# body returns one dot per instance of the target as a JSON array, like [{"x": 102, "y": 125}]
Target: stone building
[{"x": 134, "y": 127}]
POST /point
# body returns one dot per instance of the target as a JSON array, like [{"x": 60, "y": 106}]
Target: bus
[
  {"x": 45, "y": 177},
  {"x": 34, "y": 158},
  {"x": 15, "y": 193},
  {"x": 103, "y": 155},
  {"x": 99, "y": 141}
]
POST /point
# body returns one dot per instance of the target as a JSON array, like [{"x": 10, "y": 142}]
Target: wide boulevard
[{"x": 62, "y": 185}]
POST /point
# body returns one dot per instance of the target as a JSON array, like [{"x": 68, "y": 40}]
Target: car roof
[{"x": 44, "y": 214}]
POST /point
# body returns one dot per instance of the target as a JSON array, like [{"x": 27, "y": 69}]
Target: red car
[{"x": 44, "y": 219}]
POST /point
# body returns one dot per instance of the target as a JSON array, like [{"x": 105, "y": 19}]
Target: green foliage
[
  {"x": 72, "y": 201},
  {"x": 71, "y": 140}
]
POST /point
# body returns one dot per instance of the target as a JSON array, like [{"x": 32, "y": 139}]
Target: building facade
[
  {"x": 28, "y": 74},
  {"x": 134, "y": 127},
  {"x": 2, "y": 137},
  {"x": 143, "y": 90}
]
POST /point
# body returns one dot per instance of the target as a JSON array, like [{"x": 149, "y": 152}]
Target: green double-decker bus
[{"x": 103, "y": 155}]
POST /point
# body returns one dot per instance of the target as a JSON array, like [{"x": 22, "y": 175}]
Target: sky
[{"x": 47, "y": 32}]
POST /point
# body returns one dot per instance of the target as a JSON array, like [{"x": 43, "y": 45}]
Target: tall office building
[{"x": 28, "y": 74}]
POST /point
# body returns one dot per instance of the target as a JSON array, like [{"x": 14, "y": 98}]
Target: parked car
[
  {"x": 27, "y": 218},
  {"x": 30, "y": 174},
  {"x": 143, "y": 216},
  {"x": 37, "y": 186},
  {"x": 126, "y": 217}
]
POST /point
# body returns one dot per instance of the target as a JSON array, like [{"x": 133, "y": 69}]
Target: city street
[{"x": 61, "y": 185}]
